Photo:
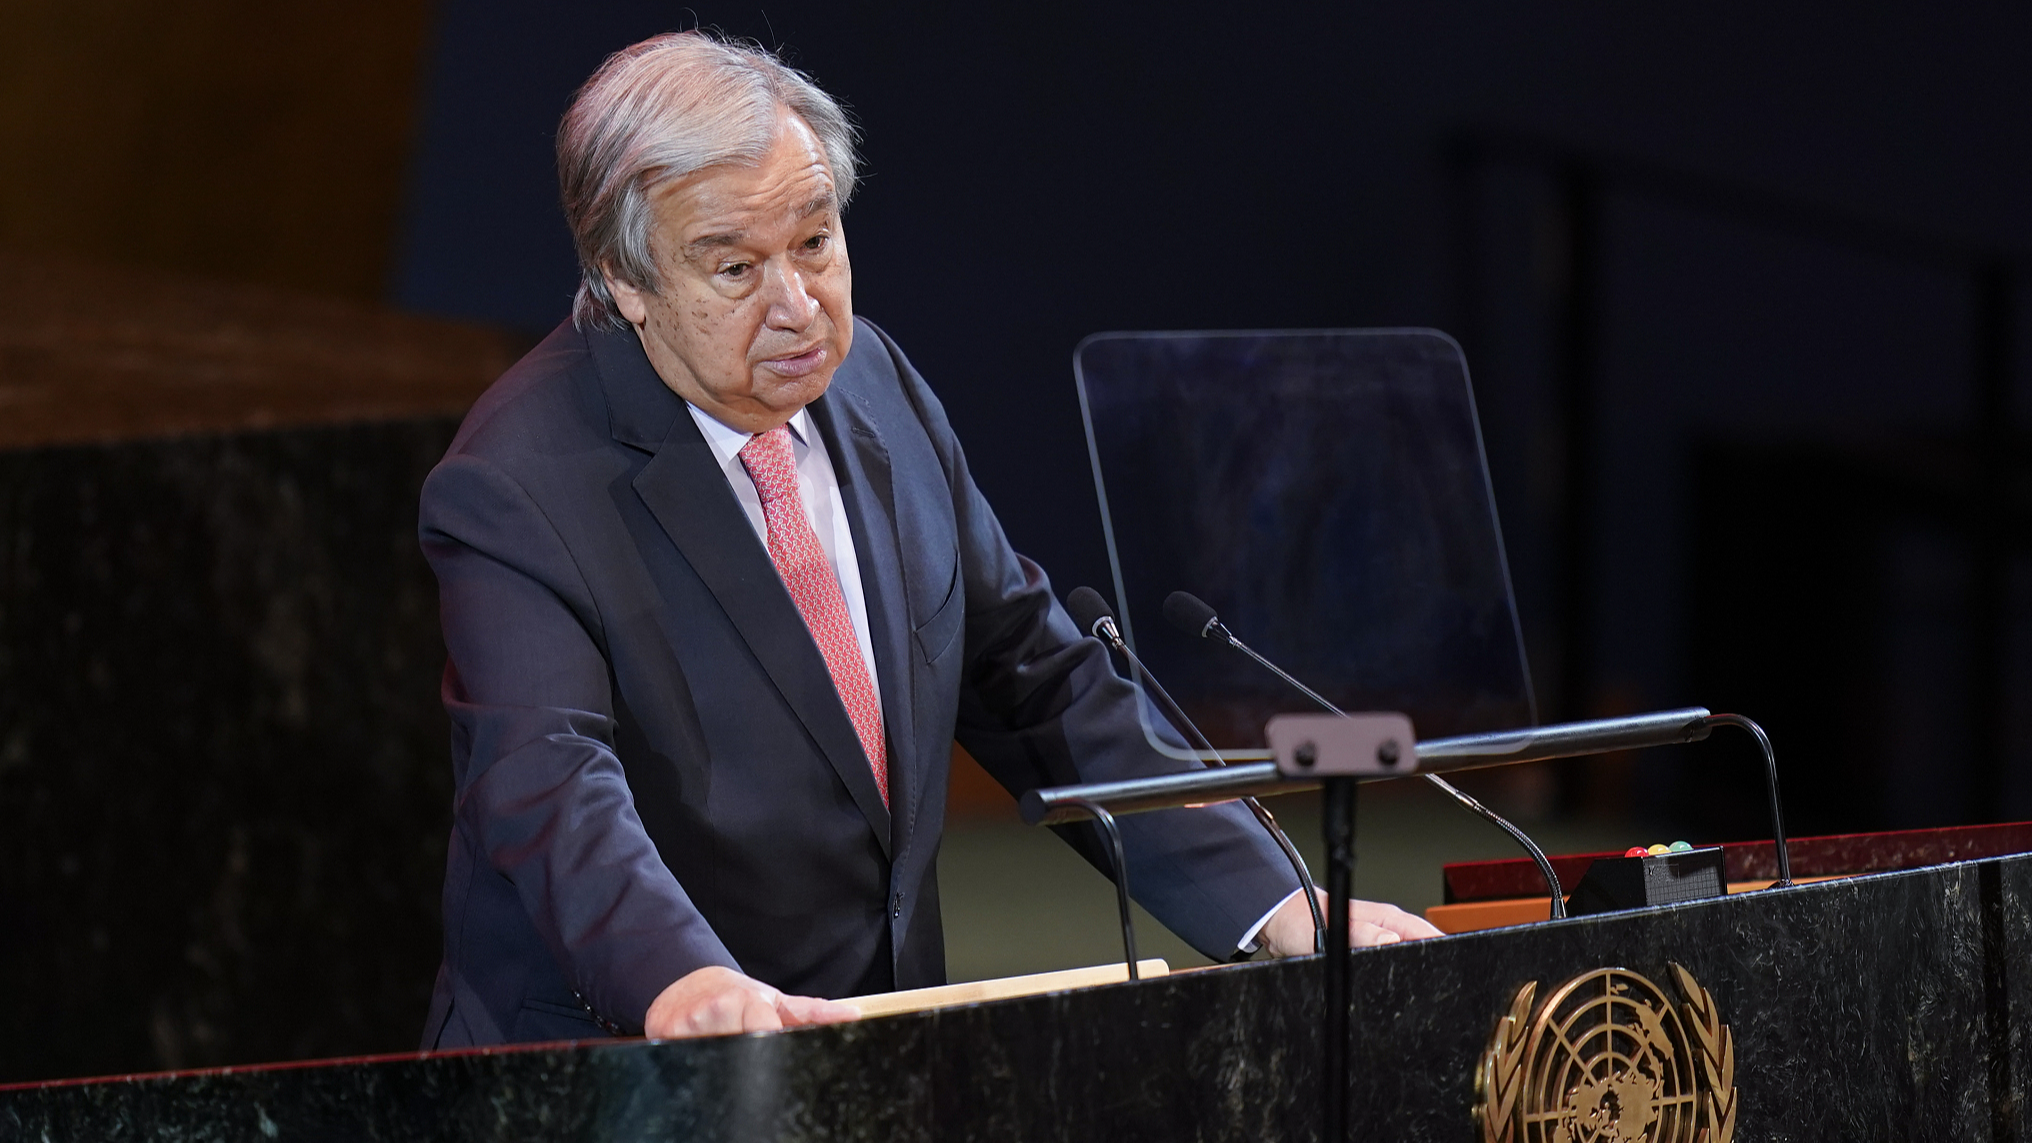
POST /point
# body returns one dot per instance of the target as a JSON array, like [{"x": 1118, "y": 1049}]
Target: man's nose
[{"x": 791, "y": 302}]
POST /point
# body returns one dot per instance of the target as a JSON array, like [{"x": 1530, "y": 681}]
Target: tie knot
[{"x": 770, "y": 465}]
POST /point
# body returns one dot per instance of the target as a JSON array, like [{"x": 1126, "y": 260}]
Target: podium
[{"x": 1888, "y": 1005}]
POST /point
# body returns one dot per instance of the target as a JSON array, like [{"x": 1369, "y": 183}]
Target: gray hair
[{"x": 659, "y": 111}]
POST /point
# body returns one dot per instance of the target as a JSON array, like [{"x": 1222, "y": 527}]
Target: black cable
[
  {"x": 1263, "y": 815},
  {"x": 1337, "y": 811},
  {"x": 1090, "y": 611},
  {"x": 1189, "y": 614},
  {"x": 1277, "y": 834},
  {"x": 1114, "y": 833},
  {"x": 1545, "y": 869},
  {"x": 1771, "y": 780}
]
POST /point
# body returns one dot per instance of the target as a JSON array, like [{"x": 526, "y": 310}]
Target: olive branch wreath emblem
[
  {"x": 1504, "y": 1071},
  {"x": 1716, "y": 1056},
  {"x": 1501, "y": 1076}
]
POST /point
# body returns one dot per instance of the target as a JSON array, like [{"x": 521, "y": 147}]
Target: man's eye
[
  {"x": 817, "y": 242},
  {"x": 734, "y": 269}
]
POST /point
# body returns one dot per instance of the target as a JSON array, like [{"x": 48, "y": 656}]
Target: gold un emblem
[{"x": 1608, "y": 1058}]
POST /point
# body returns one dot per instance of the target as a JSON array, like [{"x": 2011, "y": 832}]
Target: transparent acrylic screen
[{"x": 1326, "y": 493}]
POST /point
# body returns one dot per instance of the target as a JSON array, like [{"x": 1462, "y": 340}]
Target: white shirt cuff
[{"x": 1248, "y": 942}]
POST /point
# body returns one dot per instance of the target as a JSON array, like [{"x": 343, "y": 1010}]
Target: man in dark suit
[{"x": 719, "y": 593}]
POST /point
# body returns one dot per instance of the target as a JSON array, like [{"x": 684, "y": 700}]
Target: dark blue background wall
[{"x": 1041, "y": 172}]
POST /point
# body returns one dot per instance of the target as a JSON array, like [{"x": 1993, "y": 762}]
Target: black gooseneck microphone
[
  {"x": 1096, "y": 618},
  {"x": 1190, "y": 614}
]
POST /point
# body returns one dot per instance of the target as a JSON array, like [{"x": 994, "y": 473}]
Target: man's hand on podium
[
  {"x": 1289, "y": 932},
  {"x": 718, "y": 1001}
]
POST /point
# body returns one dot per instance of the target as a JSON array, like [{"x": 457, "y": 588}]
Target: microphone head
[
  {"x": 1088, "y": 609},
  {"x": 1189, "y": 613}
]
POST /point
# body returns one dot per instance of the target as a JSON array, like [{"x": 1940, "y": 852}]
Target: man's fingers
[
  {"x": 1390, "y": 918},
  {"x": 717, "y": 1001},
  {"x": 1370, "y": 923},
  {"x": 1362, "y": 935},
  {"x": 1416, "y": 928},
  {"x": 759, "y": 1014},
  {"x": 713, "y": 1001},
  {"x": 713, "y": 1015},
  {"x": 731, "y": 1010},
  {"x": 811, "y": 1010}
]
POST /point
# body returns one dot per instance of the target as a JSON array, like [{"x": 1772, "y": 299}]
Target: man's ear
[{"x": 630, "y": 300}]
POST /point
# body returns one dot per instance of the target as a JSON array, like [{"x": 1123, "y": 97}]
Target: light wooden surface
[{"x": 976, "y": 991}]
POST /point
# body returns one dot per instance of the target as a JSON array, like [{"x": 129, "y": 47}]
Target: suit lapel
[
  {"x": 861, "y": 465},
  {"x": 683, "y": 486}
]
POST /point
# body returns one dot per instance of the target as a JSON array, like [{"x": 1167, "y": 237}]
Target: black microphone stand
[
  {"x": 1121, "y": 862},
  {"x": 1339, "y": 750},
  {"x": 1092, "y": 614},
  {"x": 1189, "y": 614},
  {"x": 1335, "y": 752},
  {"x": 1262, "y": 814},
  {"x": 1339, "y": 828}
]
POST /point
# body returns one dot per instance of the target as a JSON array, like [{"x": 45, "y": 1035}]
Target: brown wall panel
[{"x": 259, "y": 142}]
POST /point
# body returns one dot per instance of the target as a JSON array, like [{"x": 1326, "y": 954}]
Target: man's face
[{"x": 756, "y": 309}]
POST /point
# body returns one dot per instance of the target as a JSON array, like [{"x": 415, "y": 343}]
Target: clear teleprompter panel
[{"x": 1325, "y": 491}]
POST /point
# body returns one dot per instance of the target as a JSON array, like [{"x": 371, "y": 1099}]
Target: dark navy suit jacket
[{"x": 653, "y": 771}]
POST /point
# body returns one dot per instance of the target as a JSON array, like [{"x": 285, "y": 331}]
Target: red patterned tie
[{"x": 802, "y": 563}]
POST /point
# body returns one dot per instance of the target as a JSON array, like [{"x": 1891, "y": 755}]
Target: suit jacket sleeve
[
  {"x": 1040, "y": 705},
  {"x": 541, "y": 791}
]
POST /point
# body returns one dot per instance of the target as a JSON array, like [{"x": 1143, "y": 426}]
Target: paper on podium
[{"x": 1002, "y": 988}]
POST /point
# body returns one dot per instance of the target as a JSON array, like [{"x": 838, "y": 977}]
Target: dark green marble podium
[{"x": 1889, "y": 1006}]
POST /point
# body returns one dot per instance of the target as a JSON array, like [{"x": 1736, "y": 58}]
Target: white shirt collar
[{"x": 728, "y": 442}]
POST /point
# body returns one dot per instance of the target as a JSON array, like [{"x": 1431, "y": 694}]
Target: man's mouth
[{"x": 797, "y": 364}]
